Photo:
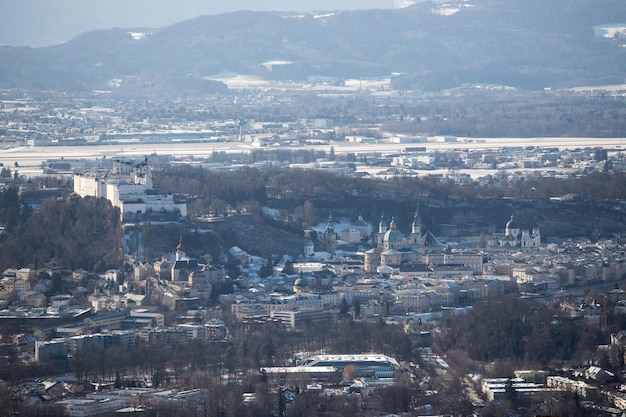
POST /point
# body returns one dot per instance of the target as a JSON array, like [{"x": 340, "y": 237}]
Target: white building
[
  {"x": 369, "y": 364},
  {"x": 128, "y": 187},
  {"x": 514, "y": 236},
  {"x": 77, "y": 407}
]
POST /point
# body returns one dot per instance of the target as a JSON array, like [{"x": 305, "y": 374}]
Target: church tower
[
  {"x": 180, "y": 250},
  {"x": 309, "y": 247},
  {"x": 416, "y": 229},
  {"x": 382, "y": 229},
  {"x": 330, "y": 237}
]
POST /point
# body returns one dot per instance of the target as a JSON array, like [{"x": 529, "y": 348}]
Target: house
[
  {"x": 492, "y": 288},
  {"x": 239, "y": 254},
  {"x": 566, "y": 384},
  {"x": 619, "y": 338},
  {"x": 598, "y": 374},
  {"x": 182, "y": 268},
  {"x": 79, "y": 274}
]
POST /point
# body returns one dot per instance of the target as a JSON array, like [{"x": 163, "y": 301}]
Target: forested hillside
[
  {"x": 304, "y": 198},
  {"x": 72, "y": 232}
]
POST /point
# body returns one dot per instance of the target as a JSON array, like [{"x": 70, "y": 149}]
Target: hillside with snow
[{"x": 527, "y": 44}]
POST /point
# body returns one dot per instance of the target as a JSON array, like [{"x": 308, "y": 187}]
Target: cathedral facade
[{"x": 393, "y": 247}]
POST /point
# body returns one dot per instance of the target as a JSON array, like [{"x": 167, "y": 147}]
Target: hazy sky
[{"x": 47, "y": 22}]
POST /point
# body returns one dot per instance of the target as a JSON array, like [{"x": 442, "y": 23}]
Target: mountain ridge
[{"x": 525, "y": 44}]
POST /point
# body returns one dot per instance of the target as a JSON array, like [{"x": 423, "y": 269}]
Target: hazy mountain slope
[{"x": 524, "y": 43}]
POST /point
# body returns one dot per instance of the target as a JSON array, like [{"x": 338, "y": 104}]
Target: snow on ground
[
  {"x": 404, "y": 3},
  {"x": 448, "y": 9},
  {"x": 339, "y": 223},
  {"x": 137, "y": 35},
  {"x": 610, "y": 30},
  {"x": 244, "y": 81}
]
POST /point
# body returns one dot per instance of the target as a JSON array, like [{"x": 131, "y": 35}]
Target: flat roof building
[{"x": 369, "y": 364}]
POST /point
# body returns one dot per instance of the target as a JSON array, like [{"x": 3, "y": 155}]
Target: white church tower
[
  {"x": 416, "y": 229},
  {"x": 382, "y": 229}
]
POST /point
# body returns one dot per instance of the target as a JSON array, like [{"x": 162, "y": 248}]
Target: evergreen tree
[
  {"x": 343, "y": 307},
  {"x": 356, "y": 307},
  {"x": 288, "y": 268}
]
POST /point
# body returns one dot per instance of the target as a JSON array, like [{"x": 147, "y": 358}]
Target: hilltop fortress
[{"x": 128, "y": 186}]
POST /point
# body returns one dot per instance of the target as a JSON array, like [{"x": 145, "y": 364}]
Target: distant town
[{"x": 254, "y": 336}]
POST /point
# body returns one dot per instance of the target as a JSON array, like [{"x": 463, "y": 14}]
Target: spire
[
  {"x": 180, "y": 249},
  {"x": 330, "y": 227},
  {"x": 511, "y": 225},
  {"x": 417, "y": 222},
  {"x": 392, "y": 225}
]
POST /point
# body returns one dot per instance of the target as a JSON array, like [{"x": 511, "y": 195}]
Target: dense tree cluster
[
  {"x": 516, "y": 331},
  {"x": 211, "y": 190},
  {"x": 73, "y": 232},
  {"x": 12, "y": 211}
]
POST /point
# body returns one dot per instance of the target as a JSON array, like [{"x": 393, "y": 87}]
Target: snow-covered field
[{"x": 246, "y": 81}]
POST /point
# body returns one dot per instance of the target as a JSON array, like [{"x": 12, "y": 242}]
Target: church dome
[
  {"x": 383, "y": 223},
  {"x": 301, "y": 282},
  {"x": 308, "y": 243},
  {"x": 360, "y": 222},
  {"x": 393, "y": 235}
]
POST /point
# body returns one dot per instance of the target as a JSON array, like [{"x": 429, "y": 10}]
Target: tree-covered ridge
[
  {"x": 304, "y": 198},
  {"x": 294, "y": 186},
  {"x": 72, "y": 232}
]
